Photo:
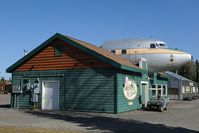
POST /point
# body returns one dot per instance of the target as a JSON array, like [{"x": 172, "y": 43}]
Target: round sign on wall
[{"x": 130, "y": 89}]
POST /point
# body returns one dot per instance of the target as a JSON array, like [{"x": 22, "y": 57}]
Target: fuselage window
[
  {"x": 152, "y": 45},
  {"x": 123, "y": 51},
  {"x": 113, "y": 51}
]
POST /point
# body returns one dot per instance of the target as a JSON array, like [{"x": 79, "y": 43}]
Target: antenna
[{"x": 25, "y": 52}]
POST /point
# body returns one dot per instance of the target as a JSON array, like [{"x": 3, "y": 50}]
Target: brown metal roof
[{"x": 104, "y": 53}]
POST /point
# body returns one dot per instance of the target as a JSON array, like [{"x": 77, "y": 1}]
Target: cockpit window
[
  {"x": 152, "y": 45},
  {"x": 163, "y": 45}
]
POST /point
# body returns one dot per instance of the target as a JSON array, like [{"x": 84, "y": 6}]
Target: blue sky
[{"x": 25, "y": 24}]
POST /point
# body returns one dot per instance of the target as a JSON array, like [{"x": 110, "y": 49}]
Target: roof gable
[{"x": 97, "y": 52}]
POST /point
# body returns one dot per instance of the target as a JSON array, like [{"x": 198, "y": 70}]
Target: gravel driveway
[{"x": 182, "y": 117}]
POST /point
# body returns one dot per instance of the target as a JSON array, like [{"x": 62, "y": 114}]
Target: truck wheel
[{"x": 161, "y": 108}]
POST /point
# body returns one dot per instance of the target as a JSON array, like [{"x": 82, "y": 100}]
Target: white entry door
[{"x": 50, "y": 95}]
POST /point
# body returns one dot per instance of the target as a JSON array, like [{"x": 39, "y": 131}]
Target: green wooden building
[{"x": 64, "y": 73}]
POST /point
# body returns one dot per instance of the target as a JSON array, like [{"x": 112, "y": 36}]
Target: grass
[{"x": 12, "y": 129}]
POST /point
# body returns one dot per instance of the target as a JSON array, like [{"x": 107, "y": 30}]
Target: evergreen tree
[
  {"x": 2, "y": 79},
  {"x": 189, "y": 70},
  {"x": 197, "y": 71}
]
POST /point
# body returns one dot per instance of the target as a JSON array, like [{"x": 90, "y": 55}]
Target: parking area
[
  {"x": 182, "y": 116},
  {"x": 4, "y": 100}
]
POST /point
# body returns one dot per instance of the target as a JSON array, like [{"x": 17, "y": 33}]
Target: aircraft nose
[
  {"x": 184, "y": 58},
  {"x": 188, "y": 57}
]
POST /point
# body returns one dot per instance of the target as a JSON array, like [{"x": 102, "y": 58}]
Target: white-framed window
[
  {"x": 187, "y": 89},
  {"x": 154, "y": 86},
  {"x": 154, "y": 90},
  {"x": 159, "y": 90}
]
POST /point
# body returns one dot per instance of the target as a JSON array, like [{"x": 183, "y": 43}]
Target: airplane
[{"x": 158, "y": 56}]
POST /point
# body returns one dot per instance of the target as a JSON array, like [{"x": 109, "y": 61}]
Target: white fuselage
[{"x": 158, "y": 56}]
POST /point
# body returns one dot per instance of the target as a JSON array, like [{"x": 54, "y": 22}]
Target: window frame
[
  {"x": 164, "y": 90},
  {"x": 159, "y": 89},
  {"x": 58, "y": 50},
  {"x": 154, "y": 88},
  {"x": 123, "y": 51}
]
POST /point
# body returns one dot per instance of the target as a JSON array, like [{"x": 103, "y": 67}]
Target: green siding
[
  {"x": 97, "y": 90},
  {"x": 81, "y": 89},
  {"x": 90, "y": 90},
  {"x": 122, "y": 102}
]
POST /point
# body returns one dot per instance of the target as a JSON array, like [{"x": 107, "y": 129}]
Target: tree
[
  {"x": 2, "y": 79},
  {"x": 197, "y": 71},
  {"x": 189, "y": 70}
]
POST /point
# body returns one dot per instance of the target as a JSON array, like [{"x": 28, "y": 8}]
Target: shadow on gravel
[
  {"x": 5, "y": 106},
  {"x": 108, "y": 124}
]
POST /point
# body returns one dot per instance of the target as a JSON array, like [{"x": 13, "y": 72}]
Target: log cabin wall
[{"x": 70, "y": 58}]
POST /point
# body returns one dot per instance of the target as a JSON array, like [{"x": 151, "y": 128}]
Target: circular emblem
[{"x": 130, "y": 89}]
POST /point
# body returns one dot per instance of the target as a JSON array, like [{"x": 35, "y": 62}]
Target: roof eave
[
  {"x": 132, "y": 69},
  {"x": 163, "y": 76}
]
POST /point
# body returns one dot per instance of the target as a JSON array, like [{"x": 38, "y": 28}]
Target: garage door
[{"x": 50, "y": 95}]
